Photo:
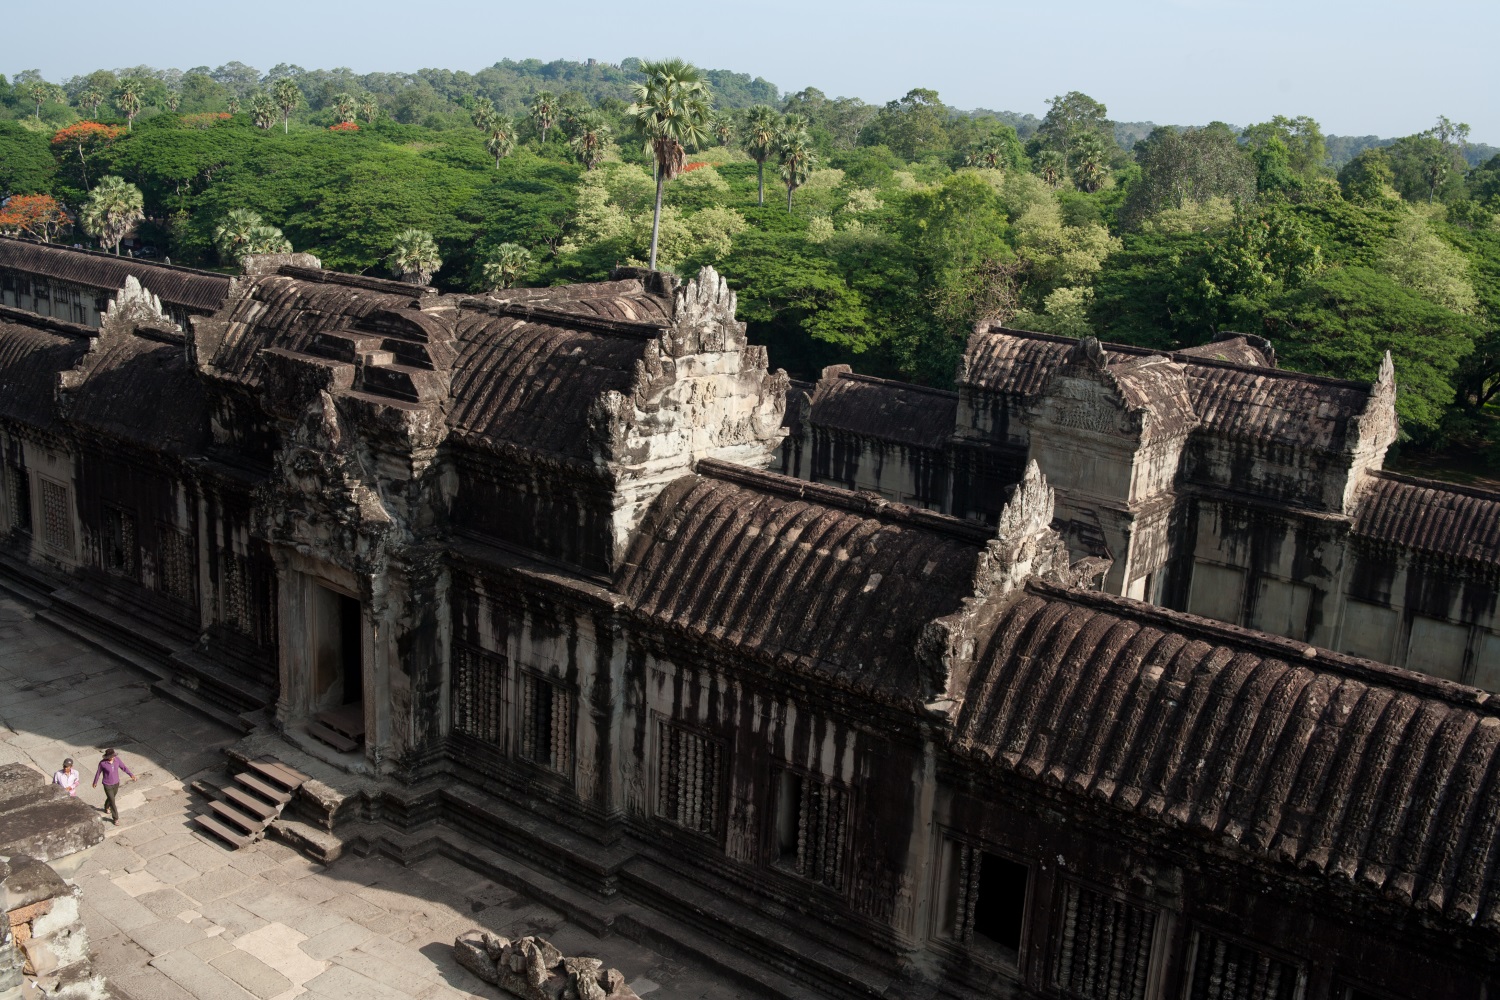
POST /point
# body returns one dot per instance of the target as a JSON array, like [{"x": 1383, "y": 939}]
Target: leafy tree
[
  {"x": 997, "y": 150},
  {"x": 414, "y": 257},
  {"x": 762, "y": 131},
  {"x": 1343, "y": 321},
  {"x": 797, "y": 159},
  {"x": 85, "y": 139},
  {"x": 345, "y": 106},
  {"x": 233, "y": 104},
  {"x": 1421, "y": 262},
  {"x": 36, "y": 215},
  {"x": 501, "y": 137},
  {"x": 287, "y": 96},
  {"x": 672, "y": 109},
  {"x": 1368, "y": 177},
  {"x": 1228, "y": 284},
  {"x": 26, "y": 163},
  {"x": 1426, "y": 167},
  {"x": 1070, "y": 117},
  {"x": 128, "y": 97},
  {"x": 911, "y": 127},
  {"x": 172, "y": 101},
  {"x": 112, "y": 210},
  {"x": 237, "y": 232},
  {"x": 543, "y": 110},
  {"x": 1303, "y": 151},
  {"x": 369, "y": 107},
  {"x": 1052, "y": 167},
  {"x": 1181, "y": 168},
  {"x": 507, "y": 264},
  {"x": 590, "y": 139}
]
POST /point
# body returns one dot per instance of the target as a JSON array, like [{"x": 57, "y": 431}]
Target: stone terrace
[{"x": 173, "y": 915}]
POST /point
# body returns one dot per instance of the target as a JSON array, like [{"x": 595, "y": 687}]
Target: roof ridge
[
  {"x": 24, "y": 317},
  {"x": 863, "y": 504},
  {"x": 1290, "y": 651},
  {"x": 1478, "y": 492},
  {"x": 1189, "y": 359},
  {"x": 875, "y": 380},
  {"x": 634, "y": 329},
  {"x": 116, "y": 257},
  {"x": 364, "y": 281}
]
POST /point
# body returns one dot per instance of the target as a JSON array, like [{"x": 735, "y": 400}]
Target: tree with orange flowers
[
  {"x": 36, "y": 215},
  {"x": 85, "y": 138}
]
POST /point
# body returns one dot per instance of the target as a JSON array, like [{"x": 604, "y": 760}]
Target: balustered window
[
  {"x": 118, "y": 542},
  {"x": 1227, "y": 970},
  {"x": 982, "y": 900},
  {"x": 689, "y": 780},
  {"x": 478, "y": 693},
  {"x": 546, "y": 723},
  {"x": 1104, "y": 950},
  {"x": 57, "y": 517},
  {"x": 176, "y": 565},
  {"x": 238, "y": 605},
  {"x": 812, "y": 825}
]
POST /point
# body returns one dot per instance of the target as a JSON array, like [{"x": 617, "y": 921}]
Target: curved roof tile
[
  {"x": 1332, "y": 764},
  {"x": 803, "y": 582},
  {"x": 197, "y": 291},
  {"x": 30, "y": 360},
  {"x": 143, "y": 391},
  {"x": 1440, "y": 518},
  {"x": 891, "y": 411}
]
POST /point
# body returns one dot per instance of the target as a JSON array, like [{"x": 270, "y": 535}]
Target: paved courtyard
[{"x": 172, "y": 915}]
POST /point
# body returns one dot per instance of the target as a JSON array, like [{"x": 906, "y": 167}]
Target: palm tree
[
  {"x": 414, "y": 256},
  {"x": 1091, "y": 163},
  {"x": 265, "y": 239},
  {"x": 112, "y": 210},
  {"x": 91, "y": 98},
  {"x": 722, "y": 126},
  {"x": 369, "y": 107},
  {"x": 1051, "y": 167},
  {"x": 762, "y": 128},
  {"x": 797, "y": 159},
  {"x": 672, "y": 109},
  {"x": 234, "y": 104},
  {"x": 173, "y": 100},
  {"x": 287, "y": 96},
  {"x": 263, "y": 110},
  {"x": 41, "y": 92},
  {"x": 502, "y": 137},
  {"x": 506, "y": 265},
  {"x": 590, "y": 137},
  {"x": 344, "y": 106},
  {"x": 482, "y": 114},
  {"x": 544, "y": 112},
  {"x": 129, "y": 100}
]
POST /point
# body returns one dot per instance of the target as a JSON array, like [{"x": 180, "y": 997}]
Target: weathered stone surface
[
  {"x": 40, "y": 821},
  {"x": 532, "y": 969}
]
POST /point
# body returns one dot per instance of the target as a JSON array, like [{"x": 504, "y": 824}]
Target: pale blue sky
[{"x": 1386, "y": 67}]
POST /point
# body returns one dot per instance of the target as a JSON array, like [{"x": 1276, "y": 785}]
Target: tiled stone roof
[
  {"x": 33, "y": 351},
  {"x": 196, "y": 291},
  {"x": 1438, "y": 518},
  {"x": 891, "y": 411},
  {"x": 1340, "y": 767}
]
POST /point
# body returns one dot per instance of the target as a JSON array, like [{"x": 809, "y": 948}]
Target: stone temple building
[{"x": 522, "y": 556}]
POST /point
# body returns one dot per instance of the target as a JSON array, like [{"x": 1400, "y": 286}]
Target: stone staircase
[
  {"x": 252, "y": 802},
  {"x": 341, "y": 728}
]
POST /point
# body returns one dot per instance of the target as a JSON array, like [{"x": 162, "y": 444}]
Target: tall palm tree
[
  {"x": 797, "y": 159},
  {"x": 672, "y": 109},
  {"x": 91, "y": 98},
  {"x": 344, "y": 106},
  {"x": 590, "y": 137},
  {"x": 414, "y": 256},
  {"x": 506, "y": 265},
  {"x": 722, "y": 126},
  {"x": 482, "y": 114},
  {"x": 233, "y": 232},
  {"x": 129, "y": 100},
  {"x": 762, "y": 128},
  {"x": 369, "y": 107},
  {"x": 234, "y": 104},
  {"x": 42, "y": 92},
  {"x": 1091, "y": 163},
  {"x": 544, "y": 112},
  {"x": 173, "y": 100},
  {"x": 263, "y": 110},
  {"x": 502, "y": 137},
  {"x": 287, "y": 96},
  {"x": 1051, "y": 167},
  {"x": 112, "y": 210}
]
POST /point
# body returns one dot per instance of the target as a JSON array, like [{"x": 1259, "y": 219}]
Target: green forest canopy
[{"x": 915, "y": 221}]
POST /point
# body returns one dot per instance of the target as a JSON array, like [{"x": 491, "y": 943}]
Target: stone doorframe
[{"x": 297, "y": 574}]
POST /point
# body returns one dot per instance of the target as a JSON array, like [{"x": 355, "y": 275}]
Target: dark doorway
[
  {"x": 351, "y": 650},
  {"x": 1000, "y": 908}
]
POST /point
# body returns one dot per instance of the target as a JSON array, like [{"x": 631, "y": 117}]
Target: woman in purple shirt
[{"x": 109, "y": 769}]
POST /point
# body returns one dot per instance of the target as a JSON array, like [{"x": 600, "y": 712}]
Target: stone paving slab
[{"x": 173, "y": 915}]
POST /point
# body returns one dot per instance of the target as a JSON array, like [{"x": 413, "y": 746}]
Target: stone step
[
  {"x": 337, "y": 740},
  {"x": 278, "y": 773},
  {"x": 250, "y": 804},
  {"x": 250, "y": 824},
  {"x": 186, "y": 696},
  {"x": 264, "y": 789},
  {"x": 222, "y": 831}
]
